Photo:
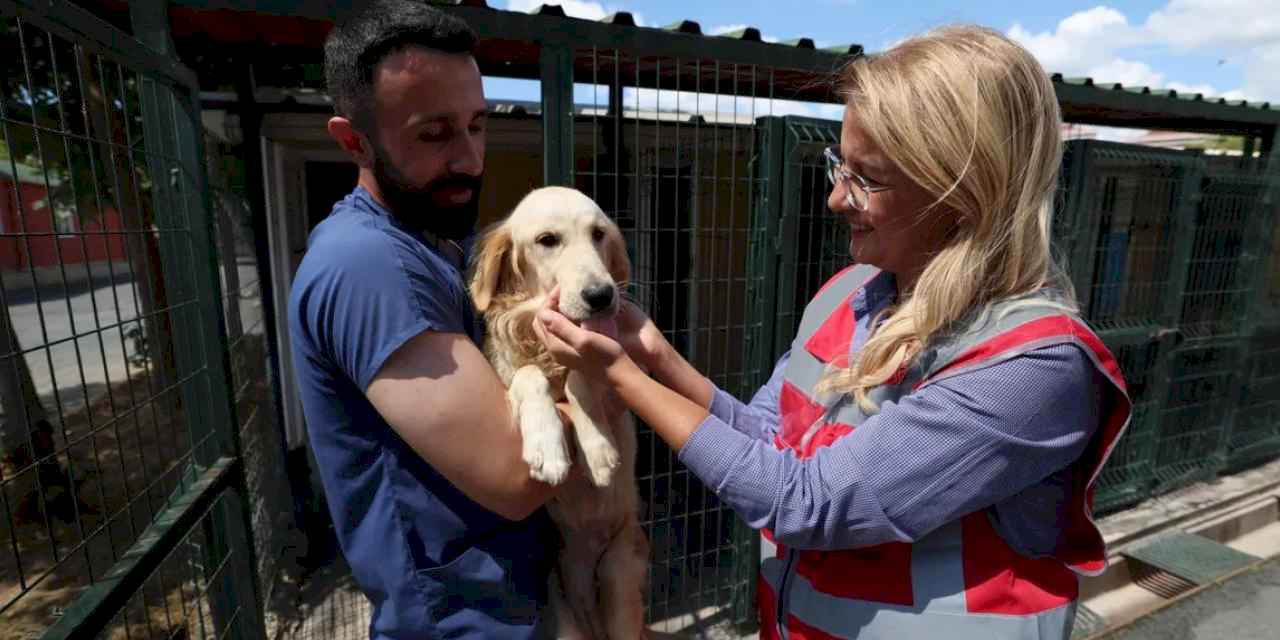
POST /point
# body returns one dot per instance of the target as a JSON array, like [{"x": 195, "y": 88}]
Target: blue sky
[{"x": 1217, "y": 47}]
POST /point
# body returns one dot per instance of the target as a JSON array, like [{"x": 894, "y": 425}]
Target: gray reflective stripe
[
  {"x": 767, "y": 549},
  {"x": 865, "y": 620},
  {"x": 1000, "y": 318},
  {"x": 828, "y": 300},
  {"x": 937, "y": 571},
  {"x": 804, "y": 370},
  {"x": 939, "y": 609}
]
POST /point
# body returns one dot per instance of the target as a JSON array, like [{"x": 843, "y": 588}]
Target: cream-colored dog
[{"x": 560, "y": 237}]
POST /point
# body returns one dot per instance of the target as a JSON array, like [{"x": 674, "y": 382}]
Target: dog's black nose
[{"x": 598, "y": 297}]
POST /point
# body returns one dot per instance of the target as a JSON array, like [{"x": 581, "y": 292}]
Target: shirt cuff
[{"x": 723, "y": 405}]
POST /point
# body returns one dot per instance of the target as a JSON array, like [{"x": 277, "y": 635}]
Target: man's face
[{"x": 428, "y": 136}]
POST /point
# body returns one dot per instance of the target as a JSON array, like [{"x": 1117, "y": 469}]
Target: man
[{"x": 415, "y": 445}]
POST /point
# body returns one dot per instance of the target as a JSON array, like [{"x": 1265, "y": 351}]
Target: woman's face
[{"x": 891, "y": 233}]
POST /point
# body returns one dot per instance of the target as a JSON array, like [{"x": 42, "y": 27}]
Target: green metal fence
[
  {"x": 1166, "y": 250},
  {"x": 122, "y": 489},
  {"x": 666, "y": 146}
]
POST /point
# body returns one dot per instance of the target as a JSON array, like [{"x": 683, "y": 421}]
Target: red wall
[{"x": 29, "y": 241}]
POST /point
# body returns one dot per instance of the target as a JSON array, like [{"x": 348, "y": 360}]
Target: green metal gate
[
  {"x": 154, "y": 539},
  {"x": 799, "y": 243},
  {"x": 1164, "y": 248}
]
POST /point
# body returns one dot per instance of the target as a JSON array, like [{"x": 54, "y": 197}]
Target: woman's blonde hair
[{"x": 972, "y": 118}]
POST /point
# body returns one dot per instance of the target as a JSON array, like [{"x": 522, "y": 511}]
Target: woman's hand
[
  {"x": 640, "y": 337},
  {"x": 581, "y": 349}
]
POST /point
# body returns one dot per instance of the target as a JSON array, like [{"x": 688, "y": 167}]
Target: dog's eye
[
  {"x": 548, "y": 240},
  {"x": 597, "y": 234}
]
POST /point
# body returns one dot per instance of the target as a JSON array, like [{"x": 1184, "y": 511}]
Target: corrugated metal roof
[{"x": 1163, "y": 93}]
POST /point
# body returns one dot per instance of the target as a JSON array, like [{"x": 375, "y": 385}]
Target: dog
[{"x": 554, "y": 237}]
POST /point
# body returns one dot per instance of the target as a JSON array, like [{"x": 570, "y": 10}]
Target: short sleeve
[{"x": 362, "y": 294}]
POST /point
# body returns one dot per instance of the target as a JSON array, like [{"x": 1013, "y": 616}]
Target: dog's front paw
[
  {"x": 602, "y": 459},
  {"x": 545, "y": 451}
]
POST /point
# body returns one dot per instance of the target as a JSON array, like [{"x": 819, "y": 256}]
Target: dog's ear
[
  {"x": 617, "y": 261},
  {"x": 491, "y": 268}
]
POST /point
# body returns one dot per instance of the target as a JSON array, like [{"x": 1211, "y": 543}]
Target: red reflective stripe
[
  {"x": 881, "y": 573},
  {"x": 827, "y": 434},
  {"x": 1037, "y": 330},
  {"x": 831, "y": 341},
  {"x": 768, "y": 608},
  {"x": 999, "y": 580},
  {"x": 798, "y": 413},
  {"x": 1088, "y": 551}
]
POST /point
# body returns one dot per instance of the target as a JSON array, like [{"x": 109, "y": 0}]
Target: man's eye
[
  {"x": 548, "y": 240},
  {"x": 432, "y": 134}
]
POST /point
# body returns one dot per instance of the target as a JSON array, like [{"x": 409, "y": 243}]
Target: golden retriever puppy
[{"x": 559, "y": 236}]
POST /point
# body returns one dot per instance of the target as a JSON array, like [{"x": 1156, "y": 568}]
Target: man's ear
[{"x": 344, "y": 132}]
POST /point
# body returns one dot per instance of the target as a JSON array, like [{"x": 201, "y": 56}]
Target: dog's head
[{"x": 555, "y": 236}]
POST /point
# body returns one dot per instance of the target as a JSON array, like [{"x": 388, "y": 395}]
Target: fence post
[
  {"x": 556, "y": 61},
  {"x": 172, "y": 134}
]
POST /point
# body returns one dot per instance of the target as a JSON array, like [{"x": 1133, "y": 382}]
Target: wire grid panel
[
  {"x": 815, "y": 242},
  {"x": 666, "y": 146},
  {"x": 1128, "y": 224},
  {"x": 103, "y": 378},
  {"x": 1255, "y": 435},
  {"x": 1196, "y": 422},
  {"x": 1230, "y": 214},
  {"x": 266, "y": 473},
  {"x": 1130, "y": 471},
  {"x": 180, "y": 597}
]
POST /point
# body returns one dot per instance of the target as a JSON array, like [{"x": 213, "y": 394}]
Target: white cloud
[
  {"x": 1194, "y": 24},
  {"x": 1101, "y": 41},
  {"x": 572, "y": 8},
  {"x": 1127, "y": 72},
  {"x": 1082, "y": 40}
]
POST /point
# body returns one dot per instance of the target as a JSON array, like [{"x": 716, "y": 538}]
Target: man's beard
[{"x": 416, "y": 206}]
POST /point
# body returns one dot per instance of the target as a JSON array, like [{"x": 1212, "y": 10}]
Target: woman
[{"x": 924, "y": 456}]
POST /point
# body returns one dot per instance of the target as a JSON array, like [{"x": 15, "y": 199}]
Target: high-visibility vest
[{"x": 961, "y": 581}]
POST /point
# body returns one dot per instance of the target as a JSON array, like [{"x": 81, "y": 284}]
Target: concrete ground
[
  {"x": 1244, "y": 608},
  {"x": 85, "y": 321}
]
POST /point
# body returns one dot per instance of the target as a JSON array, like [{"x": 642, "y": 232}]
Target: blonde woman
[{"x": 922, "y": 460}]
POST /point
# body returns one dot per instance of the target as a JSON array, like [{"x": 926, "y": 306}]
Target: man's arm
[{"x": 443, "y": 398}]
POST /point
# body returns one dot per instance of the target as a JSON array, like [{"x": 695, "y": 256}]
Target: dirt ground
[{"x": 128, "y": 451}]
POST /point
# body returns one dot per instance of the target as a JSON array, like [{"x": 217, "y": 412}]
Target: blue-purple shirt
[{"x": 1001, "y": 438}]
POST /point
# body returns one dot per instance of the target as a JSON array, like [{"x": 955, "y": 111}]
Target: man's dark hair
[{"x": 374, "y": 30}]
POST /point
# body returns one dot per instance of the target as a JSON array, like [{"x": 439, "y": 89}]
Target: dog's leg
[
  {"x": 624, "y": 576},
  {"x": 581, "y": 554},
  {"x": 559, "y": 614},
  {"x": 597, "y": 445},
  {"x": 544, "y": 447}
]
